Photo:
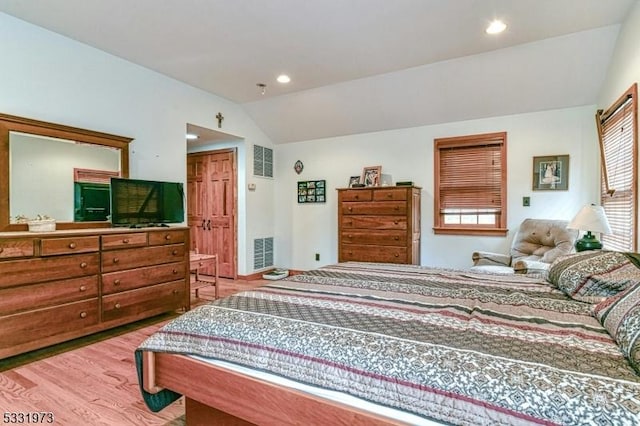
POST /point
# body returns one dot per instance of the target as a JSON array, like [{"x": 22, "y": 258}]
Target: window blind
[
  {"x": 619, "y": 151},
  {"x": 470, "y": 178}
]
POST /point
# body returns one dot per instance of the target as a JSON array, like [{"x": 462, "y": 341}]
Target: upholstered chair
[{"x": 536, "y": 245}]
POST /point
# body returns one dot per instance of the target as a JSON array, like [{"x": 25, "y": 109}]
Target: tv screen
[
  {"x": 136, "y": 202},
  {"x": 91, "y": 201}
]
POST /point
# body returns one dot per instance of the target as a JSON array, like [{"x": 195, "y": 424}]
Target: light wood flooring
[{"x": 95, "y": 384}]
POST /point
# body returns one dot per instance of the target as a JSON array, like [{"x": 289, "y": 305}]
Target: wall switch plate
[{"x": 526, "y": 201}]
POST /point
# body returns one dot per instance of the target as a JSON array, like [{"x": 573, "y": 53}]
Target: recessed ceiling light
[
  {"x": 191, "y": 136},
  {"x": 496, "y": 26},
  {"x": 283, "y": 78}
]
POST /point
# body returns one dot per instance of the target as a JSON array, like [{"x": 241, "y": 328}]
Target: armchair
[{"x": 536, "y": 245}]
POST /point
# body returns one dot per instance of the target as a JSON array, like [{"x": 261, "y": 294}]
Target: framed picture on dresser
[{"x": 371, "y": 176}]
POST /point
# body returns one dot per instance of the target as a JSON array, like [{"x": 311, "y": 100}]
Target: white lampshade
[{"x": 591, "y": 218}]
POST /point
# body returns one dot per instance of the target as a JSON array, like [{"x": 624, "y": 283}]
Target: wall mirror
[{"x": 42, "y": 163}]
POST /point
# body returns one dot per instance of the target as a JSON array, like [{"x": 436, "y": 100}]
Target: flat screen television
[
  {"x": 91, "y": 201},
  {"x": 137, "y": 203}
]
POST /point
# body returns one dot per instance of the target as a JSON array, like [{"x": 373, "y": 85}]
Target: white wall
[
  {"x": 624, "y": 69},
  {"x": 407, "y": 154},
  {"x": 52, "y": 78}
]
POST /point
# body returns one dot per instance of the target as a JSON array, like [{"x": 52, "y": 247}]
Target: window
[
  {"x": 471, "y": 185},
  {"x": 618, "y": 132},
  {"x": 262, "y": 161}
]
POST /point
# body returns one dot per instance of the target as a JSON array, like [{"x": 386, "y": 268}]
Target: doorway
[{"x": 212, "y": 200}]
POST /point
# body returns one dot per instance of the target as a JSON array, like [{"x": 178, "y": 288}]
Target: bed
[{"x": 361, "y": 343}]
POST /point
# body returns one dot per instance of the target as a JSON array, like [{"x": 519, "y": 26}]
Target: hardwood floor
[{"x": 95, "y": 384}]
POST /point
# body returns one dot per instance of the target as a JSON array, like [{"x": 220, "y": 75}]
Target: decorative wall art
[
  {"x": 312, "y": 191},
  {"x": 298, "y": 167},
  {"x": 551, "y": 173},
  {"x": 371, "y": 176}
]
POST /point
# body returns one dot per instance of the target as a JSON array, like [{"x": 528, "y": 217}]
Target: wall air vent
[
  {"x": 262, "y": 161},
  {"x": 262, "y": 253}
]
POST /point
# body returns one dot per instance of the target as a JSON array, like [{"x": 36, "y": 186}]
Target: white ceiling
[{"x": 356, "y": 65}]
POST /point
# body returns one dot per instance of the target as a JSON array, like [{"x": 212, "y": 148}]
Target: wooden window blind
[
  {"x": 618, "y": 143},
  {"x": 470, "y": 184}
]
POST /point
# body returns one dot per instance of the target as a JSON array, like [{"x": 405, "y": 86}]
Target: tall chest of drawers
[
  {"x": 379, "y": 224},
  {"x": 57, "y": 286}
]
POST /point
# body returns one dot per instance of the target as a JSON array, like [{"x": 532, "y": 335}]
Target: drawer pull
[
  {"x": 116, "y": 282},
  {"x": 350, "y": 208},
  {"x": 72, "y": 245},
  {"x": 175, "y": 291},
  {"x": 83, "y": 314},
  {"x": 397, "y": 238},
  {"x": 357, "y": 197},
  {"x": 83, "y": 288},
  {"x": 83, "y": 265},
  {"x": 389, "y": 195},
  {"x": 397, "y": 208},
  {"x": 117, "y": 306},
  {"x": 116, "y": 260},
  {"x": 175, "y": 271},
  {"x": 167, "y": 237},
  {"x": 125, "y": 241},
  {"x": 174, "y": 252},
  {"x": 396, "y": 255},
  {"x": 395, "y": 222}
]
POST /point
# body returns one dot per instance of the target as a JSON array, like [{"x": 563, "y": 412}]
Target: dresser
[
  {"x": 61, "y": 285},
  {"x": 379, "y": 224}
]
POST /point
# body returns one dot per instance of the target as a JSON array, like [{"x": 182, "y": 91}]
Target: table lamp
[{"x": 590, "y": 218}]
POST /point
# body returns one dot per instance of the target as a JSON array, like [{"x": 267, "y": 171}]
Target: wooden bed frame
[{"x": 231, "y": 398}]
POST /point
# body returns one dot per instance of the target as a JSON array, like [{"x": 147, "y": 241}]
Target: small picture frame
[
  {"x": 371, "y": 176},
  {"x": 354, "y": 180},
  {"x": 551, "y": 173}
]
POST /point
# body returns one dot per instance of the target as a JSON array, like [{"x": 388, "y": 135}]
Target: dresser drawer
[
  {"x": 166, "y": 237},
  {"x": 118, "y": 260},
  {"x": 364, "y": 253},
  {"x": 135, "y": 278},
  {"x": 26, "y": 271},
  {"x": 35, "y": 296},
  {"x": 356, "y": 195},
  {"x": 16, "y": 247},
  {"x": 69, "y": 245},
  {"x": 144, "y": 302},
  {"x": 29, "y": 326},
  {"x": 372, "y": 208},
  {"x": 383, "y": 238},
  {"x": 374, "y": 222},
  {"x": 118, "y": 241},
  {"x": 390, "y": 195}
]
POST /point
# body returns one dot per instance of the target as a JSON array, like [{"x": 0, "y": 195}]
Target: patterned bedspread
[{"x": 454, "y": 346}]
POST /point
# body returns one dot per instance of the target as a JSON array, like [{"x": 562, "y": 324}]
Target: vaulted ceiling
[{"x": 356, "y": 65}]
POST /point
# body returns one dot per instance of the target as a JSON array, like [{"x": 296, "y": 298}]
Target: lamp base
[{"x": 588, "y": 242}]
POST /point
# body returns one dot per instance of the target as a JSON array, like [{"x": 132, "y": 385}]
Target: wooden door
[
  {"x": 196, "y": 201},
  {"x": 212, "y": 214}
]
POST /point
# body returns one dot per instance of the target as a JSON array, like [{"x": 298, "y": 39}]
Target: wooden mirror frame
[{"x": 10, "y": 123}]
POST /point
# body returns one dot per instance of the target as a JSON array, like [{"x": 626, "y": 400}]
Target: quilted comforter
[{"x": 451, "y": 346}]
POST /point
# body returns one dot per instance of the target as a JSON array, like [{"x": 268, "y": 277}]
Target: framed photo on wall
[
  {"x": 551, "y": 173},
  {"x": 312, "y": 191}
]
